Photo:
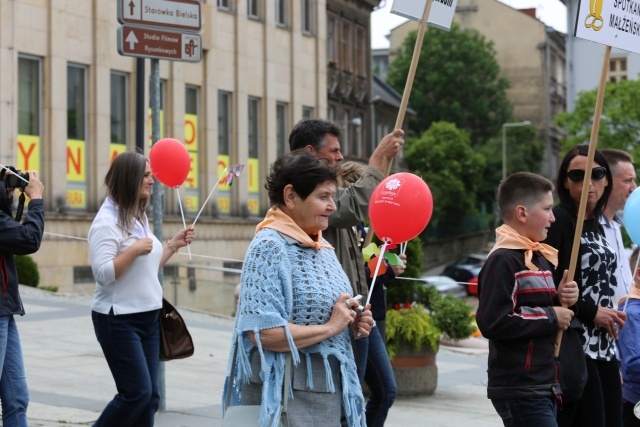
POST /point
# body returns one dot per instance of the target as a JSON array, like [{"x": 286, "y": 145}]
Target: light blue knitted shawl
[{"x": 268, "y": 299}]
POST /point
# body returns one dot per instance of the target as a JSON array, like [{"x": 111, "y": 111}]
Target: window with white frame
[
  {"x": 224, "y": 4},
  {"x": 281, "y": 13},
  {"x": 254, "y": 127},
  {"x": 307, "y": 112},
  {"x": 224, "y": 122},
  {"x": 253, "y": 9},
  {"x": 307, "y": 17},
  {"x": 119, "y": 110},
  {"x": 29, "y": 99},
  {"x": 281, "y": 127}
]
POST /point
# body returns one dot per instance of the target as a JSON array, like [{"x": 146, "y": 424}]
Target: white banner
[
  {"x": 441, "y": 14},
  {"x": 615, "y": 23}
]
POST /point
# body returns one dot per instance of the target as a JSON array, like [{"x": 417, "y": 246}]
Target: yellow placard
[
  {"x": 76, "y": 161},
  {"x": 76, "y": 199},
  {"x": 224, "y": 205},
  {"x": 191, "y": 132},
  {"x": 192, "y": 178},
  {"x": 116, "y": 149},
  {"x": 191, "y": 203},
  {"x": 151, "y": 129},
  {"x": 223, "y": 163},
  {"x": 254, "y": 206},
  {"x": 28, "y": 152},
  {"x": 254, "y": 176}
]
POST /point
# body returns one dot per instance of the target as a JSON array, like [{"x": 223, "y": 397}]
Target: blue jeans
[
  {"x": 380, "y": 380},
  {"x": 131, "y": 345},
  {"x": 14, "y": 393},
  {"x": 532, "y": 412},
  {"x": 361, "y": 352}
]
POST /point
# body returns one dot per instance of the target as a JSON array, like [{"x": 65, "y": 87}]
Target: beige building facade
[
  {"x": 67, "y": 108},
  {"x": 531, "y": 56}
]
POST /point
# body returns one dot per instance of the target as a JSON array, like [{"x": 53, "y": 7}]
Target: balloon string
[
  {"x": 184, "y": 224},
  {"x": 633, "y": 275},
  {"x": 375, "y": 274},
  {"x": 209, "y": 196}
]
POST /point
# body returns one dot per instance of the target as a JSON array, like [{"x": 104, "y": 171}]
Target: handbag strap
[{"x": 285, "y": 387}]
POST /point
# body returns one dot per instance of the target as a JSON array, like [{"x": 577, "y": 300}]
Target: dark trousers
[
  {"x": 601, "y": 402},
  {"x": 532, "y": 412},
  {"x": 131, "y": 345},
  {"x": 361, "y": 352},
  {"x": 380, "y": 380}
]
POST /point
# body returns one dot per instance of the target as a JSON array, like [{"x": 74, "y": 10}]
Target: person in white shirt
[
  {"x": 125, "y": 260},
  {"x": 624, "y": 182}
]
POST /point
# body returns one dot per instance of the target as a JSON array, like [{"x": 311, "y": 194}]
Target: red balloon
[
  {"x": 170, "y": 162},
  {"x": 400, "y": 207}
]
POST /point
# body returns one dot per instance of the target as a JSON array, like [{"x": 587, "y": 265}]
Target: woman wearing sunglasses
[{"x": 601, "y": 401}]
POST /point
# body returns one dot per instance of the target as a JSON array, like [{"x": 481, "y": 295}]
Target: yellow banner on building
[
  {"x": 28, "y": 153},
  {"x": 192, "y": 177},
  {"x": 191, "y": 132},
  {"x": 254, "y": 176},
  {"x": 77, "y": 199},
  {"x": 116, "y": 149},
  {"x": 76, "y": 160},
  {"x": 223, "y": 163}
]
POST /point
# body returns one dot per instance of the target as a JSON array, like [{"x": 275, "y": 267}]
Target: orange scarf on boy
[
  {"x": 281, "y": 222},
  {"x": 508, "y": 238}
]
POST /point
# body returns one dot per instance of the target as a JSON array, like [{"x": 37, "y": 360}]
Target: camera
[{"x": 12, "y": 180}]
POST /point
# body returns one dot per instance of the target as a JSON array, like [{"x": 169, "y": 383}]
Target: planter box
[{"x": 415, "y": 371}]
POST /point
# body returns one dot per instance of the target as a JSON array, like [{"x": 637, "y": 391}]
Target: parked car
[
  {"x": 465, "y": 270},
  {"x": 445, "y": 286}
]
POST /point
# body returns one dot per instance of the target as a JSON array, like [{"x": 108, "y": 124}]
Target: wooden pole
[
  {"x": 587, "y": 179},
  {"x": 406, "y": 93}
]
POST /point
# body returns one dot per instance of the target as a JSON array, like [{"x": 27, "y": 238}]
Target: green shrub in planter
[{"x": 28, "y": 273}]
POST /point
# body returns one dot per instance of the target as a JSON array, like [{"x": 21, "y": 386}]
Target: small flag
[{"x": 233, "y": 171}]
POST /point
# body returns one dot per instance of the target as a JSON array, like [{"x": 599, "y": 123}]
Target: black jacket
[
  {"x": 516, "y": 314},
  {"x": 16, "y": 239}
]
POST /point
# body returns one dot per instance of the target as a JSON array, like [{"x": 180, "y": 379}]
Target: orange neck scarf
[
  {"x": 509, "y": 238},
  {"x": 281, "y": 222}
]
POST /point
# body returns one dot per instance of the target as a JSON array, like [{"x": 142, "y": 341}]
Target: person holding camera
[{"x": 17, "y": 239}]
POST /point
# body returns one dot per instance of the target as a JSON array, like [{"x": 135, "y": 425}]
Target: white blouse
[{"x": 138, "y": 288}]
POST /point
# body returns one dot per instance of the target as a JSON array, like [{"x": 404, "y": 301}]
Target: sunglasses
[{"x": 577, "y": 175}]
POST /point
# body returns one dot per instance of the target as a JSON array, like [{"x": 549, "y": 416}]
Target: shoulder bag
[
  {"x": 249, "y": 415},
  {"x": 175, "y": 339}
]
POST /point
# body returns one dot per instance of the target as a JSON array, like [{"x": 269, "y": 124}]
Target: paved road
[{"x": 70, "y": 382}]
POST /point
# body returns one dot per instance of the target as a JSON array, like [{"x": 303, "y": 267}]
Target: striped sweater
[{"x": 515, "y": 313}]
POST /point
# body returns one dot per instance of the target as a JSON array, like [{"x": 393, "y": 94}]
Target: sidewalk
[{"x": 70, "y": 382}]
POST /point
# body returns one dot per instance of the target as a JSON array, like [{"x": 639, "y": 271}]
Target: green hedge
[{"x": 28, "y": 273}]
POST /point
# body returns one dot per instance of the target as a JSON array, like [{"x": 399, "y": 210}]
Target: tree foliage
[
  {"x": 443, "y": 156},
  {"x": 619, "y": 123},
  {"x": 457, "y": 80}
]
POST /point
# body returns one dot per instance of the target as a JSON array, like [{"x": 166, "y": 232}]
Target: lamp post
[{"x": 504, "y": 143}]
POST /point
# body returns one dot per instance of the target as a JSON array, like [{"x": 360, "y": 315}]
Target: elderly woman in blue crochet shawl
[{"x": 296, "y": 298}]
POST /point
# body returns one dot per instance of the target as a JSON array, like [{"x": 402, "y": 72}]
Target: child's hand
[
  {"x": 564, "y": 317},
  {"x": 568, "y": 291}
]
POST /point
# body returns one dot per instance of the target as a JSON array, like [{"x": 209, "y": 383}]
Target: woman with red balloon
[{"x": 125, "y": 259}]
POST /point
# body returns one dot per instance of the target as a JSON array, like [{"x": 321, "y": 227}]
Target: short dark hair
[
  {"x": 300, "y": 169},
  {"x": 312, "y": 132},
  {"x": 563, "y": 193},
  {"x": 615, "y": 156},
  {"x": 521, "y": 188},
  {"x": 123, "y": 182}
]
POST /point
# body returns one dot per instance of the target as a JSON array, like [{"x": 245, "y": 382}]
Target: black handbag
[
  {"x": 175, "y": 339},
  {"x": 572, "y": 366}
]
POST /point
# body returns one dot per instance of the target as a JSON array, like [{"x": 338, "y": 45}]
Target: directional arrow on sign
[
  {"x": 132, "y": 40},
  {"x": 132, "y": 6}
]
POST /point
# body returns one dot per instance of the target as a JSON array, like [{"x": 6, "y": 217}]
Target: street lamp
[{"x": 504, "y": 143}]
